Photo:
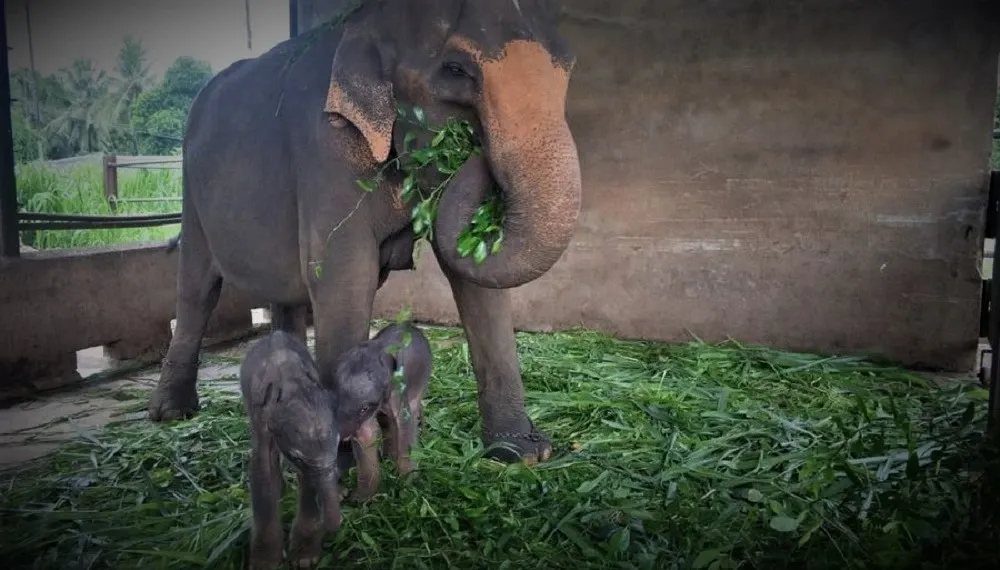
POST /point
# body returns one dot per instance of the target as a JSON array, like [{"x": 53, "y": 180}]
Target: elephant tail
[{"x": 173, "y": 242}]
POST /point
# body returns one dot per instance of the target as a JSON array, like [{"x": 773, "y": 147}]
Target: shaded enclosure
[{"x": 809, "y": 175}]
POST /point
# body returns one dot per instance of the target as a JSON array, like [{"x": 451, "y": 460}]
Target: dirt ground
[{"x": 33, "y": 428}]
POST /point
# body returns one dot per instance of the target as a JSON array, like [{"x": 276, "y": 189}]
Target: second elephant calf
[{"x": 379, "y": 385}]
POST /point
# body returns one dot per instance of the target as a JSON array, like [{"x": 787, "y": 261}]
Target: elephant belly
[{"x": 256, "y": 249}]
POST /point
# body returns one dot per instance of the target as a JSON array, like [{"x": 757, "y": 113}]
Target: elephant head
[{"x": 501, "y": 65}]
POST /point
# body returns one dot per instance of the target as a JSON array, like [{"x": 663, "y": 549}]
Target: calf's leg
[
  {"x": 266, "y": 487},
  {"x": 365, "y": 444},
  {"x": 306, "y": 541}
]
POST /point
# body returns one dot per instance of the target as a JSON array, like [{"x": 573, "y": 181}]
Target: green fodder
[
  {"x": 80, "y": 190},
  {"x": 668, "y": 456}
]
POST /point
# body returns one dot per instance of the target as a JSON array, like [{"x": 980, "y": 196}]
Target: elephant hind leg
[
  {"x": 290, "y": 319},
  {"x": 198, "y": 286}
]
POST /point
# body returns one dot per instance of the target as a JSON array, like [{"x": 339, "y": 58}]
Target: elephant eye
[{"x": 455, "y": 69}]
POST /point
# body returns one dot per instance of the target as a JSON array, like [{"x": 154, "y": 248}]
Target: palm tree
[
  {"x": 133, "y": 76},
  {"x": 87, "y": 117},
  {"x": 131, "y": 80}
]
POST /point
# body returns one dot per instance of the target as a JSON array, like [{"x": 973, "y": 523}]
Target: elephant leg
[
  {"x": 342, "y": 296},
  {"x": 290, "y": 319},
  {"x": 306, "y": 541},
  {"x": 266, "y": 487},
  {"x": 198, "y": 286},
  {"x": 489, "y": 328}
]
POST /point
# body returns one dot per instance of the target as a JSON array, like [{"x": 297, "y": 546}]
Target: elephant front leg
[
  {"x": 366, "y": 446},
  {"x": 489, "y": 328},
  {"x": 266, "y": 486},
  {"x": 399, "y": 427},
  {"x": 198, "y": 288}
]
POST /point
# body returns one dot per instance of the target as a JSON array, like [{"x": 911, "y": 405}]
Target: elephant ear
[{"x": 360, "y": 92}]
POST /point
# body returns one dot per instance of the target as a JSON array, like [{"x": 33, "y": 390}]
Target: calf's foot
[
  {"x": 306, "y": 545},
  {"x": 176, "y": 394},
  {"x": 265, "y": 552}
]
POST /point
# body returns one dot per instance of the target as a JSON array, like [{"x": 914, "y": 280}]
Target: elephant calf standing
[
  {"x": 291, "y": 415},
  {"x": 368, "y": 401}
]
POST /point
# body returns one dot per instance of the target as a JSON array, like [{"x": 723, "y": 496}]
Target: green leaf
[
  {"x": 755, "y": 496},
  {"x": 706, "y": 557},
  {"x": 436, "y": 141},
  {"x": 466, "y": 244},
  {"x": 620, "y": 540},
  {"x": 423, "y": 156},
  {"x": 366, "y": 185},
  {"x": 784, "y": 524},
  {"x": 408, "y": 140},
  {"x": 497, "y": 245},
  {"x": 481, "y": 252},
  {"x": 418, "y": 114},
  {"x": 404, "y": 314},
  {"x": 318, "y": 271},
  {"x": 409, "y": 184}
]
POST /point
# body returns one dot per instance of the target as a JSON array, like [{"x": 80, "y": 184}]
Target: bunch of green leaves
[{"x": 452, "y": 145}]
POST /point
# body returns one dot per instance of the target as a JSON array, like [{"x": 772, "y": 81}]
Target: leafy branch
[{"x": 448, "y": 150}]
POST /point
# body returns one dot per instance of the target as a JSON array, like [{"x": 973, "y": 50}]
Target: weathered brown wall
[
  {"x": 805, "y": 174},
  {"x": 58, "y": 302}
]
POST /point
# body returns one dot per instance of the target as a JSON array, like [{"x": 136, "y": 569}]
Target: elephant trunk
[{"x": 532, "y": 155}]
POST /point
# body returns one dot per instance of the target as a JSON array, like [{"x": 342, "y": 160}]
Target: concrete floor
[{"x": 31, "y": 429}]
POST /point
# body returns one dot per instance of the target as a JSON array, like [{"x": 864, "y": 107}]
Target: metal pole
[
  {"x": 246, "y": 8},
  {"x": 293, "y": 18},
  {"x": 34, "y": 77},
  {"x": 10, "y": 244},
  {"x": 993, "y": 417}
]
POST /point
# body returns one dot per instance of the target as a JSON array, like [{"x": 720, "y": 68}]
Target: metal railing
[{"x": 33, "y": 221}]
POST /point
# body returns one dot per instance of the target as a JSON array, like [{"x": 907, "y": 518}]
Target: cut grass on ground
[
  {"x": 668, "y": 456},
  {"x": 80, "y": 190}
]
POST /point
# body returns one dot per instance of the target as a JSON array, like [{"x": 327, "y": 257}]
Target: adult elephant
[{"x": 275, "y": 145}]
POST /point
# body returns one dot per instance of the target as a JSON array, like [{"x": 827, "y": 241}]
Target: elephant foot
[
  {"x": 176, "y": 394},
  {"x": 306, "y": 547},
  {"x": 518, "y": 441},
  {"x": 265, "y": 554},
  {"x": 361, "y": 494}
]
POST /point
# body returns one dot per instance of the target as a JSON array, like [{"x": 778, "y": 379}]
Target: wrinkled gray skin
[
  {"x": 274, "y": 147},
  {"x": 370, "y": 401},
  {"x": 291, "y": 416}
]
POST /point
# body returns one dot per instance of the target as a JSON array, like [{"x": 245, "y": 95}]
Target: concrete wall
[
  {"x": 808, "y": 174},
  {"x": 55, "y": 303}
]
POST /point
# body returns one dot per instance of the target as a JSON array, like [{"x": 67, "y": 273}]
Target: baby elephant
[
  {"x": 291, "y": 415},
  {"x": 370, "y": 400}
]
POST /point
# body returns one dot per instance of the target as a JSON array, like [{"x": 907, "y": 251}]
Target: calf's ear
[
  {"x": 389, "y": 361},
  {"x": 361, "y": 92}
]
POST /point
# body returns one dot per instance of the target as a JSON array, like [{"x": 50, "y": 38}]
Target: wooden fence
[{"x": 113, "y": 162}]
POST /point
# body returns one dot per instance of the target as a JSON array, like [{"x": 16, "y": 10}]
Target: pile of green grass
[
  {"x": 668, "y": 456},
  {"x": 80, "y": 190}
]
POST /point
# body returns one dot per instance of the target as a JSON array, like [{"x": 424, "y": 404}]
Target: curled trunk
[{"x": 541, "y": 188}]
